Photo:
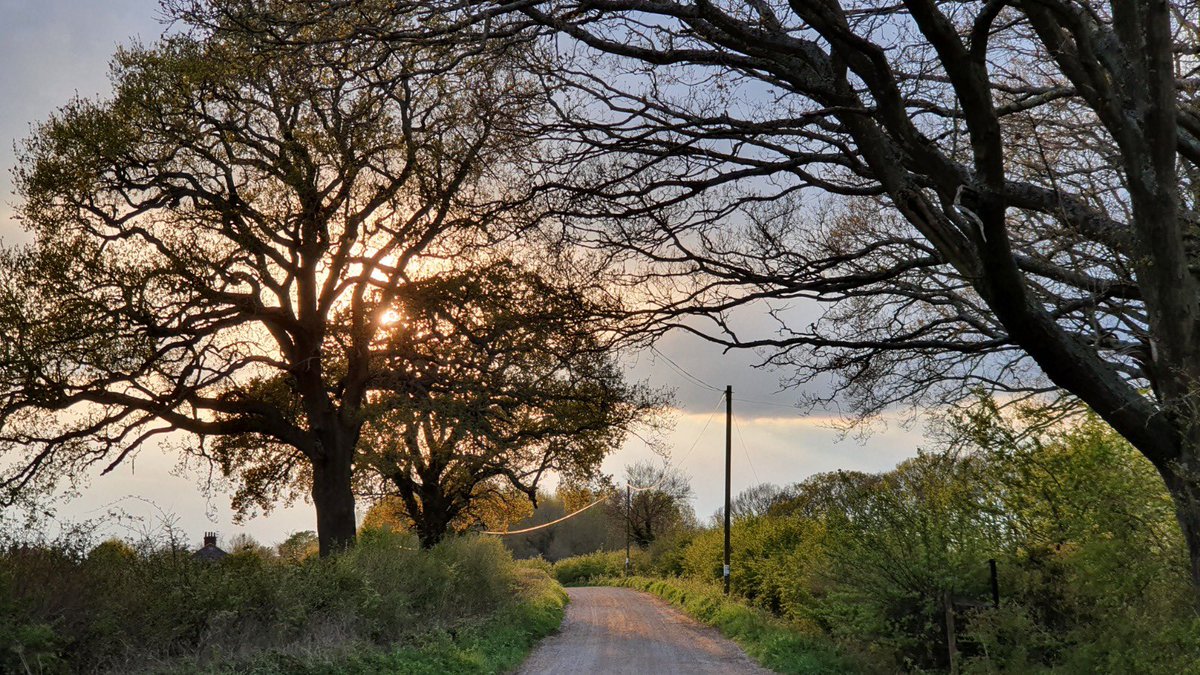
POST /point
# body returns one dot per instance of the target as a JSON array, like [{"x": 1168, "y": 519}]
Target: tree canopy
[
  {"x": 217, "y": 246},
  {"x": 657, "y": 502},
  {"x": 500, "y": 379},
  {"x": 996, "y": 194}
]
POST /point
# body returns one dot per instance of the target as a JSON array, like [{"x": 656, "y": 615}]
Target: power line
[
  {"x": 686, "y": 454},
  {"x": 789, "y": 406},
  {"x": 679, "y": 369},
  {"x": 631, "y": 487},
  {"x": 545, "y": 525},
  {"x": 746, "y": 450},
  {"x": 701, "y": 383},
  {"x": 707, "y": 422}
]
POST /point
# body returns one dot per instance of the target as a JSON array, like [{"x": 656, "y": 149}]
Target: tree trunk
[
  {"x": 1183, "y": 482},
  {"x": 333, "y": 497},
  {"x": 430, "y": 534},
  {"x": 433, "y": 522}
]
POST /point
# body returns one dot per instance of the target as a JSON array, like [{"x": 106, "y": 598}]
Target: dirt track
[{"x": 620, "y": 630}]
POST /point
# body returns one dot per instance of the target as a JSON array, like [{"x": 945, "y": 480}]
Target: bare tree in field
[
  {"x": 998, "y": 193},
  {"x": 753, "y": 502},
  {"x": 216, "y": 249},
  {"x": 657, "y": 504}
]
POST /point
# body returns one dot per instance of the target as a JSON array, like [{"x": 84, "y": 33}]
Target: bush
[
  {"x": 1093, "y": 570},
  {"x": 584, "y": 568},
  {"x": 118, "y": 610}
]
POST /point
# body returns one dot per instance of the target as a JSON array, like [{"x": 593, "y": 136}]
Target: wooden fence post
[{"x": 951, "y": 641}]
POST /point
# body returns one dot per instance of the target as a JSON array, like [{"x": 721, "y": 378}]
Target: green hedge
[
  {"x": 582, "y": 569},
  {"x": 464, "y": 606},
  {"x": 496, "y": 644}
]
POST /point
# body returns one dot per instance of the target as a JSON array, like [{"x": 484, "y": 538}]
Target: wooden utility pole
[
  {"x": 728, "y": 465},
  {"x": 951, "y": 636},
  {"x": 995, "y": 584}
]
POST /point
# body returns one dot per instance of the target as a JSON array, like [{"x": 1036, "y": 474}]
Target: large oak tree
[
  {"x": 216, "y": 246},
  {"x": 509, "y": 378},
  {"x": 496, "y": 377}
]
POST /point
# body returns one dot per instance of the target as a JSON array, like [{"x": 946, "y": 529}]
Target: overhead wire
[
  {"x": 789, "y": 406},
  {"x": 680, "y": 369},
  {"x": 686, "y": 454},
  {"x": 746, "y": 450},
  {"x": 545, "y": 525},
  {"x": 609, "y": 496},
  {"x": 701, "y": 383},
  {"x": 665, "y": 475}
]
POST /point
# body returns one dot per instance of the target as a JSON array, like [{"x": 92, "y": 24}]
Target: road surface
[{"x": 620, "y": 630}]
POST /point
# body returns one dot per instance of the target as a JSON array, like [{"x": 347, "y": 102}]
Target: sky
[{"x": 53, "y": 50}]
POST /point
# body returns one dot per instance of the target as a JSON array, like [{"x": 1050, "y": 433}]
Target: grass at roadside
[
  {"x": 497, "y": 644},
  {"x": 771, "y": 642},
  {"x": 464, "y": 606}
]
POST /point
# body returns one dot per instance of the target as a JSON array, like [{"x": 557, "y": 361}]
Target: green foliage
[
  {"x": 381, "y": 604},
  {"x": 497, "y": 643},
  {"x": 584, "y": 568},
  {"x": 298, "y": 546},
  {"x": 1092, "y": 569}
]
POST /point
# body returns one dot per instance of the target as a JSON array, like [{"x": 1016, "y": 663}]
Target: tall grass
[{"x": 115, "y": 609}]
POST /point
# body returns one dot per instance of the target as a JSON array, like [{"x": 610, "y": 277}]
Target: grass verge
[
  {"x": 465, "y": 606},
  {"x": 773, "y": 643},
  {"x": 496, "y": 644}
]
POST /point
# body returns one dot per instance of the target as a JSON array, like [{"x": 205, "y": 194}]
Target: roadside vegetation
[
  {"x": 773, "y": 642},
  {"x": 858, "y": 568},
  {"x": 402, "y": 250},
  {"x": 462, "y": 607}
]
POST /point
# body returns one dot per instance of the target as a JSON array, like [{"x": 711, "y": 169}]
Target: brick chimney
[{"x": 210, "y": 550}]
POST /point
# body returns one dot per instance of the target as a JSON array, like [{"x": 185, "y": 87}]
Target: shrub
[
  {"x": 117, "y": 610},
  {"x": 583, "y": 568},
  {"x": 1092, "y": 568}
]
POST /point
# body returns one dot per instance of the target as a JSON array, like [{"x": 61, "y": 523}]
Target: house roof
[{"x": 209, "y": 552}]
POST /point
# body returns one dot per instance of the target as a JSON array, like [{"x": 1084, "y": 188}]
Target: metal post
[
  {"x": 728, "y": 464},
  {"x": 628, "y": 520}
]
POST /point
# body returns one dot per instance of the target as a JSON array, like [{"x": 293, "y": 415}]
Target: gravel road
[{"x": 620, "y": 630}]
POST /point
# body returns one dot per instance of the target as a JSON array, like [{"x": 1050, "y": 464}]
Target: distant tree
[
  {"x": 658, "y": 503},
  {"x": 499, "y": 378},
  {"x": 216, "y": 249},
  {"x": 592, "y": 530},
  {"x": 112, "y": 551},
  {"x": 387, "y": 513},
  {"x": 244, "y": 543},
  {"x": 752, "y": 502},
  {"x": 298, "y": 546},
  {"x": 817, "y": 495}
]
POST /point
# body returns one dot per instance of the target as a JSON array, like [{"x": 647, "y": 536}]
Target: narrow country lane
[{"x": 620, "y": 630}]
